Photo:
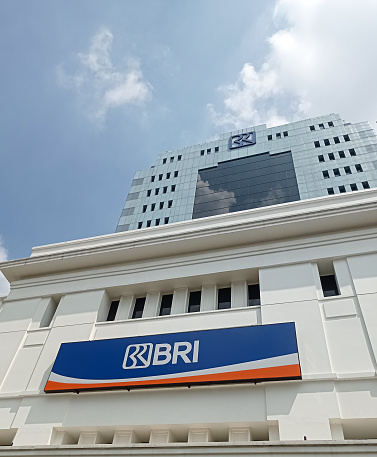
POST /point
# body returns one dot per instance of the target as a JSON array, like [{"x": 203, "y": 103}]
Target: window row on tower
[
  {"x": 347, "y": 171},
  {"x": 209, "y": 150},
  {"x": 321, "y": 126},
  {"x": 327, "y": 142},
  {"x": 353, "y": 187},
  {"x": 157, "y": 190},
  {"x": 161, "y": 205},
  {"x": 277, "y": 135},
  {"x": 161, "y": 176},
  {"x": 165, "y": 160},
  {"x": 158, "y": 221},
  {"x": 342, "y": 155}
]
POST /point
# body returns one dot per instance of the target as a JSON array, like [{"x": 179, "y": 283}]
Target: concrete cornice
[
  {"x": 256, "y": 448},
  {"x": 290, "y": 220}
]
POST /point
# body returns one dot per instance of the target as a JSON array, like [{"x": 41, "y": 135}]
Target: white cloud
[
  {"x": 320, "y": 61},
  {"x": 4, "y": 284},
  {"x": 100, "y": 85},
  {"x": 220, "y": 200}
]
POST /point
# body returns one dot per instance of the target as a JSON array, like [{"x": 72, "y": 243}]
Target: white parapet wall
[{"x": 63, "y": 293}]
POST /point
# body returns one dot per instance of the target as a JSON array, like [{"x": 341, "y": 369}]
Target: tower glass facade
[{"x": 251, "y": 168}]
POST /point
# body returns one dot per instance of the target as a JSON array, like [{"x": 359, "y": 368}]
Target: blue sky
[{"x": 92, "y": 91}]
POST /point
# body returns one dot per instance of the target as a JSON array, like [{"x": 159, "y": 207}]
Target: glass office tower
[{"x": 251, "y": 168}]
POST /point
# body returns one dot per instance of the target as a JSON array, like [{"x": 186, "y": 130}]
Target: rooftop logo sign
[
  {"x": 252, "y": 353},
  {"x": 242, "y": 140}
]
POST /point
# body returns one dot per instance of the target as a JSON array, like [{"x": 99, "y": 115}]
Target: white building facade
[{"x": 311, "y": 262}]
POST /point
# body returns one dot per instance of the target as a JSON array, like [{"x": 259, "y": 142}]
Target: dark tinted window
[
  {"x": 331, "y": 156},
  {"x": 329, "y": 286},
  {"x": 153, "y": 206},
  {"x": 347, "y": 170},
  {"x": 336, "y": 140},
  {"x": 269, "y": 137},
  {"x": 321, "y": 126},
  {"x": 353, "y": 187},
  {"x": 331, "y": 124},
  {"x": 330, "y": 191},
  {"x": 166, "y": 302},
  {"x": 365, "y": 185},
  {"x": 144, "y": 208},
  {"x": 245, "y": 183},
  {"x": 327, "y": 142},
  {"x": 341, "y": 154},
  {"x": 342, "y": 189},
  {"x": 167, "y": 175},
  {"x": 216, "y": 149},
  {"x": 224, "y": 298},
  {"x": 113, "y": 310},
  {"x": 139, "y": 225},
  {"x": 157, "y": 222},
  {"x": 346, "y": 138},
  {"x": 152, "y": 178},
  {"x": 166, "y": 220},
  {"x": 352, "y": 152},
  {"x": 254, "y": 295},
  {"x": 285, "y": 133},
  {"x": 194, "y": 302},
  {"x": 336, "y": 172},
  {"x": 163, "y": 160},
  {"x": 359, "y": 168},
  {"x": 161, "y": 205},
  {"x": 149, "y": 223},
  {"x": 138, "y": 308},
  {"x": 149, "y": 193},
  {"x": 316, "y": 144},
  {"x": 321, "y": 158},
  {"x": 325, "y": 174},
  {"x": 312, "y": 128},
  {"x": 179, "y": 158}
]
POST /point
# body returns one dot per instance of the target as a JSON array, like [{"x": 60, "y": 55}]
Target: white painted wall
[{"x": 337, "y": 342}]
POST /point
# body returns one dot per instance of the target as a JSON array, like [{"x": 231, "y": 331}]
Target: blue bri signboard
[{"x": 262, "y": 352}]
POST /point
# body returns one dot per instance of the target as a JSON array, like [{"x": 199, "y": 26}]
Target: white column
[
  {"x": 125, "y": 307},
  {"x": 209, "y": 297},
  {"x": 152, "y": 303},
  {"x": 180, "y": 301},
  {"x": 273, "y": 431},
  {"x": 239, "y": 294},
  {"x": 336, "y": 430}
]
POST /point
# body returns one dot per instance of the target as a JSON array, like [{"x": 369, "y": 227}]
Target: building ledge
[
  {"x": 257, "y": 448},
  {"x": 273, "y": 223}
]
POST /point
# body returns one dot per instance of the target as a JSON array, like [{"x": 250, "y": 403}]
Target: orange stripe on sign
[{"x": 286, "y": 371}]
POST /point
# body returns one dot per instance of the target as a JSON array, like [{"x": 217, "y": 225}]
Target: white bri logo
[{"x": 140, "y": 355}]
